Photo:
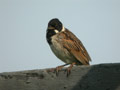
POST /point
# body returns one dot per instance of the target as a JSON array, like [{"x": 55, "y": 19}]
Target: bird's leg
[
  {"x": 59, "y": 68},
  {"x": 69, "y": 68}
]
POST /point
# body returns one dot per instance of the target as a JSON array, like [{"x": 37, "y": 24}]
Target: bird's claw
[
  {"x": 68, "y": 72},
  {"x": 57, "y": 71}
]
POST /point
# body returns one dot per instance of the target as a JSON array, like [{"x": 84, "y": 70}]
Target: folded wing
[{"x": 75, "y": 47}]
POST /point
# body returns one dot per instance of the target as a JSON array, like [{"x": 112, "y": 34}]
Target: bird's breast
[{"x": 59, "y": 50}]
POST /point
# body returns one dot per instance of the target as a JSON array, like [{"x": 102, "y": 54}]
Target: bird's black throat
[{"x": 50, "y": 33}]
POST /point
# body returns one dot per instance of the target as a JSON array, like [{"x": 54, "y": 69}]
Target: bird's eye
[{"x": 53, "y": 25}]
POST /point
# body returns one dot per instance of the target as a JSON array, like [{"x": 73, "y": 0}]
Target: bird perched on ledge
[{"x": 66, "y": 46}]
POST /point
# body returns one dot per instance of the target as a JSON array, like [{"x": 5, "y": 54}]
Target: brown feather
[{"x": 74, "y": 46}]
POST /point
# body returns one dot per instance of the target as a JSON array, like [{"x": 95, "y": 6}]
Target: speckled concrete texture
[{"x": 94, "y": 77}]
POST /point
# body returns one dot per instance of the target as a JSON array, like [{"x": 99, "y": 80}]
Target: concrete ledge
[{"x": 95, "y": 77}]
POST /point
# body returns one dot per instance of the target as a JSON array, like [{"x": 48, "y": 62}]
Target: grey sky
[{"x": 23, "y": 26}]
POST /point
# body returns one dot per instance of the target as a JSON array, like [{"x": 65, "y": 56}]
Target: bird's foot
[
  {"x": 59, "y": 68},
  {"x": 69, "y": 69}
]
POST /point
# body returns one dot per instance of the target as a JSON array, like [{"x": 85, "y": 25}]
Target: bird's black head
[
  {"x": 55, "y": 24},
  {"x": 54, "y": 27}
]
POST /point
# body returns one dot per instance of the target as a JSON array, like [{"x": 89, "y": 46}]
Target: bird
[{"x": 66, "y": 46}]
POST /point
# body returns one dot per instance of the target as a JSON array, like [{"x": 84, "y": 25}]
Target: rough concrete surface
[{"x": 95, "y": 77}]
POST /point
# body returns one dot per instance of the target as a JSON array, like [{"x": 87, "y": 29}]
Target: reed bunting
[{"x": 66, "y": 46}]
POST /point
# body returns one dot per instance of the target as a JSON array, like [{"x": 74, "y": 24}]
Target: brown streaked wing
[{"x": 75, "y": 47}]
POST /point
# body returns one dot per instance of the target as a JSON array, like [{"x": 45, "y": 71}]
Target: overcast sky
[{"x": 23, "y": 25}]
